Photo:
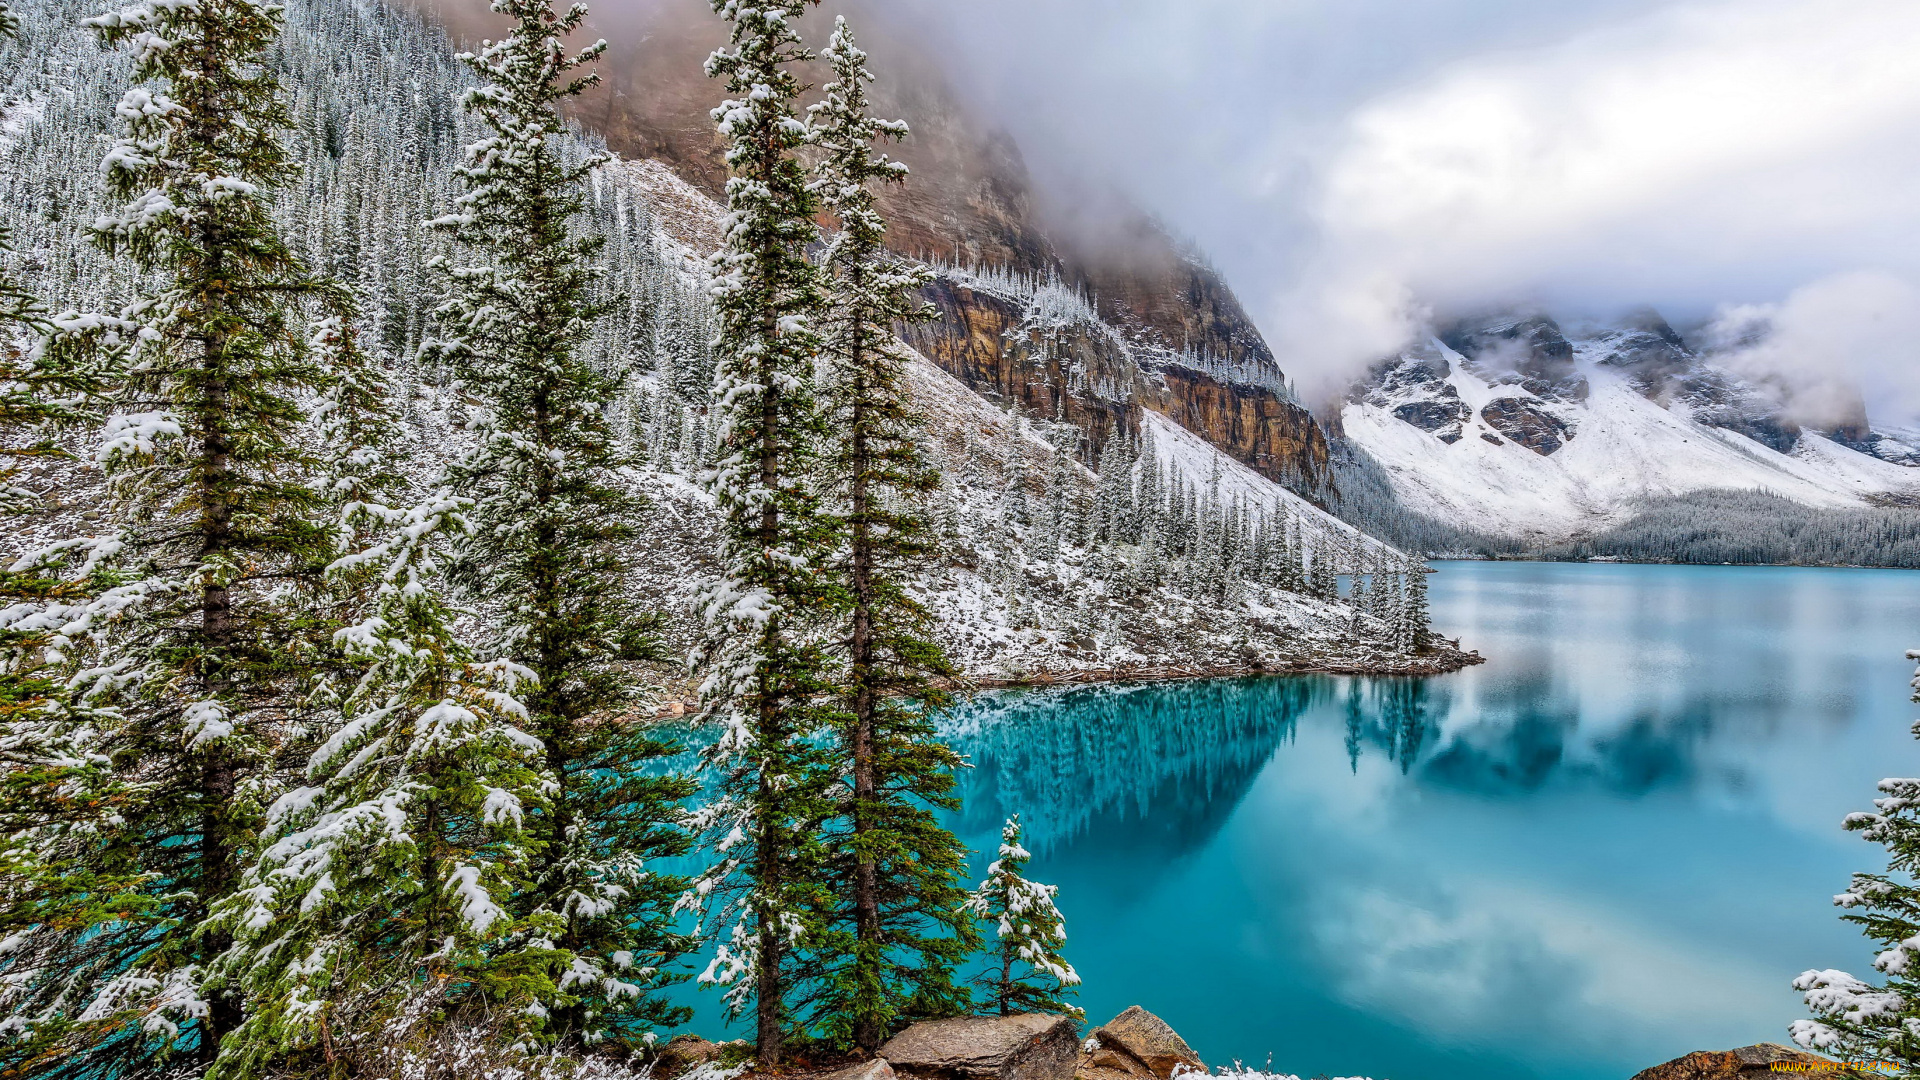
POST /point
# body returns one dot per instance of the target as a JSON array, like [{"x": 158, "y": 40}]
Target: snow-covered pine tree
[
  {"x": 1852, "y": 1019},
  {"x": 54, "y": 787},
  {"x": 40, "y": 393},
  {"x": 768, "y": 666},
  {"x": 1117, "y": 517},
  {"x": 380, "y": 904},
  {"x": 1025, "y": 971},
  {"x": 1016, "y": 507},
  {"x": 202, "y": 654},
  {"x": 1414, "y": 621},
  {"x": 1056, "y": 524},
  {"x": 549, "y": 549},
  {"x": 896, "y": 932},
  {"x": 1293, "y": 574}
]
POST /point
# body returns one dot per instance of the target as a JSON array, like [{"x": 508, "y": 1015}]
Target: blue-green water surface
[{"x": 1615, "y": 842}]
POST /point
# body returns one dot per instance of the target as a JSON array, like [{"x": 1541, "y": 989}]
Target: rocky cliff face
[
  {"x": 1166, "y": 333},
  {"x": 1043, "y": 345}
]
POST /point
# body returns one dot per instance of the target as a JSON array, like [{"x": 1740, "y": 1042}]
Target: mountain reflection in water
[{"x": 1614, "y": 843}]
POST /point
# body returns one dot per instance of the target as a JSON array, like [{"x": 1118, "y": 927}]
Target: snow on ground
[
  {"x": 1624, "y": 449},
  {"x": 684, "y": 213},
  {"x": 1004, "y": 613}
]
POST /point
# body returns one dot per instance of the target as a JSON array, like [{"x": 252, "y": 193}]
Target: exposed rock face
[
  {"x": 1524, "y": 421},
  {"x": 1030, "y": 1046},
  {"x": 1139, "y": 1045},
  {"x": 1041, "y": 345},
  {"x": 877, "y": 1069},
  {"x": 1654, "y": 357},
  {"x": 1414, "y": 387},
  {"x": 1001, "y": 347},
  {"x": 1528, "y": 351},
  {"x": 1275, "y": 436},
  {"x": 1746, "y": 1063}
]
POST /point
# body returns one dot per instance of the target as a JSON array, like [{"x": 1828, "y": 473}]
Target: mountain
[
  {"x": 1181, "y": 555},
  {"x": 1174, "y": 339},
  {"x": 1515, "y": 428}
]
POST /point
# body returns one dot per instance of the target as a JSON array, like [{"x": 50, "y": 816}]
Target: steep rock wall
[{"x": 1078, "y": 370}]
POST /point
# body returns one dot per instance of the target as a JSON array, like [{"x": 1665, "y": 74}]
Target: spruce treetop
[{"x": 1030, "y": 930}]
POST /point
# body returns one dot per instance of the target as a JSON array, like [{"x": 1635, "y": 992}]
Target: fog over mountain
[{"x": 1354, "y": 166}]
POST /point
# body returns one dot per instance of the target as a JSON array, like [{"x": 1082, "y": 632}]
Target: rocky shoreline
[
  {"x": 1442, "y": 661},
  {"x": 1445, "y": 660},
  {"x": 1135, "y": 1045}
]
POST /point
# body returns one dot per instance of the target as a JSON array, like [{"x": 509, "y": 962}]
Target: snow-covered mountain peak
[{"x": 1511, "y": 425}]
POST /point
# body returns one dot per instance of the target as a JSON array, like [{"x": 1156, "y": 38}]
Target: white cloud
[
  {"x": 1831, "y": 346},
  {"x": 1703, "y": 154},
  {"x": 1347, "y": 163}
]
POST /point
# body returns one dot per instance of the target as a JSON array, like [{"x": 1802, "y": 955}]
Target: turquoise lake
[{"x": 1615, "y": 842}]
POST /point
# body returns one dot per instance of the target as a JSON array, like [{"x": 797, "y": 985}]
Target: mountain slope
[{"x": 1506, "y": 427}]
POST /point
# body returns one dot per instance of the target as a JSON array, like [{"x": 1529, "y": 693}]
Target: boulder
[
  {"x": 1030, "y": 1046},
  {"x": 1746, "y": 1063},
  {"x": 1140, "y": 1044},
  {"x": 683, "y": 1054}
]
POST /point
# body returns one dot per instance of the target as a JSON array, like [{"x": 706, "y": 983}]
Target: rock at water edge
[{"x": 1031, "y": 1046}]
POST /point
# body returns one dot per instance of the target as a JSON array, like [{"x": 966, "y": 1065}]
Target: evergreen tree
[
  {"x": 191, "y": 669},
  {"x": 1029, "y": 931},
  {"x": 53, "y": 788},
  {"x": 1414, "y": 622},
  {"x": 549, "y": 547},
  {"x": 1150, "y": 504},
  {"x": 1853, "y": 1019},
  {"x": 1016, "y": 508},
  {"x": 1293, "y": 574},
  {"x": 1112, "y": 515},
  {"x": 389, "y": 876},
  {"x": 768, "y": 668},
  {"x": 895, "y": 873}
]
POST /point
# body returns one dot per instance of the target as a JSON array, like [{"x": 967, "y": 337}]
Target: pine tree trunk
[
  {"x": 867, "y": 1031},
  {"x": 219, "y": 777},
  {"x": 1006, "y": 980},
  {"x": 770, "y": 991}
]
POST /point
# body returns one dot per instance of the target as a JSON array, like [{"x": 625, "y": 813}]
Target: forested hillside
[{"x": 375, "y": 130}]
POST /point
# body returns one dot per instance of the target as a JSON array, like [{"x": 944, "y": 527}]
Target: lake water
[{"x": 1615, "y": 842}]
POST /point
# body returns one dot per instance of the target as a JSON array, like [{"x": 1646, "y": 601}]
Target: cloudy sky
[{"x": 1353, "y": 163}]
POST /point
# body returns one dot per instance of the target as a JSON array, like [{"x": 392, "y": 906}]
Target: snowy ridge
[{"x": 1431, "y": 434}]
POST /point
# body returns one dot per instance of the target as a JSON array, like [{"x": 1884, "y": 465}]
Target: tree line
[{"x": 314, "y": 769}]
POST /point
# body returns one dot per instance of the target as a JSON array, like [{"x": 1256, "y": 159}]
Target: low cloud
[
  {"x": 1831, "y": 347},
  {"x": 1351, "y": 166}
]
